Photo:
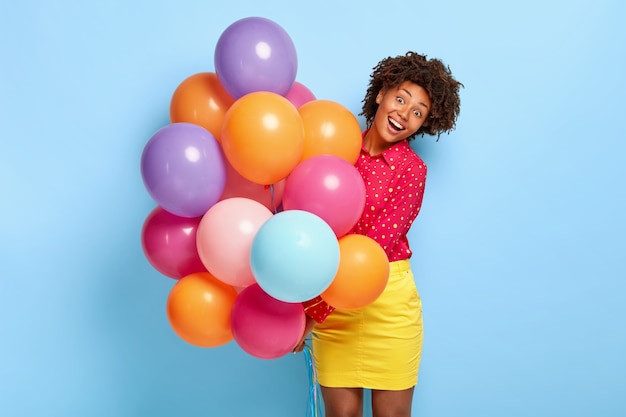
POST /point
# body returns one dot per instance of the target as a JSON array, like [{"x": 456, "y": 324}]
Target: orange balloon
[
  {"x": 362, "y": 275},
  {"x": 263, "y": 137},
  {"x": 198, "y": 309},
  {"x": 330, "y": 128},
  {"x": 201, "y": 99}
]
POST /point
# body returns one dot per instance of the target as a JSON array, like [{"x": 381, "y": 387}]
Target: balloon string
[
  {"x": 314, "y": 408},
  {"x": 274, "y": 208}
]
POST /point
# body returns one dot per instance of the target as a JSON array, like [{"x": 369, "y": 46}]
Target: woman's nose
[{"x": 403, "y": 114}]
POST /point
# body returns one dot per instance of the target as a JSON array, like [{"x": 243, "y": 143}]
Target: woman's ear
[{"x": 379, "y": 97}]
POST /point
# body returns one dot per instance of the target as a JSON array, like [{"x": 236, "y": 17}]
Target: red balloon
[
  {"x": 169, "y": 243},
  {"x": 299, "y": 94},
  {"x": 263, "y": 326},
  {"x": 237, "y": 186}
]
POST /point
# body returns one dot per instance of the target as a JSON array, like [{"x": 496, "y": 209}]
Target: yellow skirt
[{"x": 378, "y": 346}]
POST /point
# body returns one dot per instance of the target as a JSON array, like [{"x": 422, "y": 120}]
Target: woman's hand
[{"x": 308, "y": 327}]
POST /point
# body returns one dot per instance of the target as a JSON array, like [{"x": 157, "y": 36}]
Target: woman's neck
[{"x": 373, "y": 144}]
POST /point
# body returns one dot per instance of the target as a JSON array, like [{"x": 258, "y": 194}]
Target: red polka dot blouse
[{"x": 394, "y": 189}]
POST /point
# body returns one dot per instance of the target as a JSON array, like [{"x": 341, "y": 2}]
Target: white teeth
[{"x": 396, "y": 124}]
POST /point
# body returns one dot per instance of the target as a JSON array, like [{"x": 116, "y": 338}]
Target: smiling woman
[
  {"x": 441, "y": 101},
  {"x": 402, "y": 111},
  {"x": 518, "y": 252},
  {"x": 379, "y": 345}
]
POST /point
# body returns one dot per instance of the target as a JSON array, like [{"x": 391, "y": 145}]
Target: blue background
[{"x": 519, "y": 249}]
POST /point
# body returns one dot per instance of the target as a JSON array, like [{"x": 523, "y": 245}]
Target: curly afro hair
[{"x": 430, "y": 74}]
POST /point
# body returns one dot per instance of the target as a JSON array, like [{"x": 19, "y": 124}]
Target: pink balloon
[
  {"x": 224, "y": 238},
  {"x": 328, "y": 186},
  {"x": 169, "y": 243},
  {"x": 238, "y": 186},
  {"x": 263, "y": 326},
  {"x": 299, "y": 94}
]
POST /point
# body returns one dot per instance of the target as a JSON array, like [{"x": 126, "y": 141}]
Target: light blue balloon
[{"x": 294, "y": 256}]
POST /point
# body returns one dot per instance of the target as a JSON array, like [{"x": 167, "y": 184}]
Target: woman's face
[{"x": 402, "y": 110}]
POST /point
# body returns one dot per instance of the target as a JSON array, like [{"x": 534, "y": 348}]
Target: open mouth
[{"x": 395, "y": 125}]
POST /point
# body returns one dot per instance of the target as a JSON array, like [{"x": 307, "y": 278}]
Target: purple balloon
[
  {"x": 183, "y": 169},
  {"x": 255, "y": 54}
]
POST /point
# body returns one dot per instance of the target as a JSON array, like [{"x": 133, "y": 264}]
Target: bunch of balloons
[{"x": 256, "y": 192}]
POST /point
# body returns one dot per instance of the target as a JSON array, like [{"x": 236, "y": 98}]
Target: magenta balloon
[
  {"x": 225, "y": 236},
  {"x": 169, "y": 243},
  {"x": 263, "y": 326},
  {"x": 255, "y": 54},
  {"x": 328, "y": 186},
  {"x": 299, "y": 94},
  {"x": 183, "y": 169}
]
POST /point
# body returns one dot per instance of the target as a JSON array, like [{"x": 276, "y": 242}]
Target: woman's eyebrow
[{"x": 410, "y": 95}]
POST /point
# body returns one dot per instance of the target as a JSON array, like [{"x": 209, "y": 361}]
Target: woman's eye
[
  {"x": 417, "y": 113},
  {"x": 400, "y": 100}
]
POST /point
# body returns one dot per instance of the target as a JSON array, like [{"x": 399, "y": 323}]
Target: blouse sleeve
[{"x": 317, "y": 309}]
